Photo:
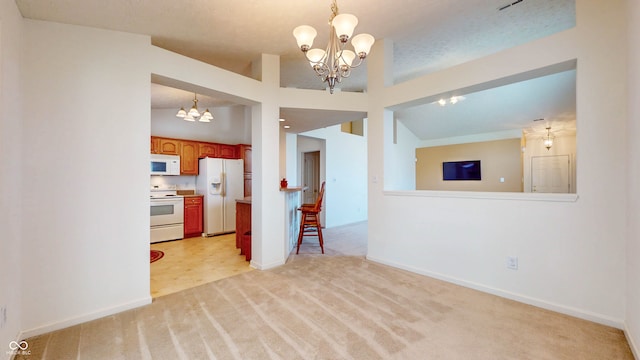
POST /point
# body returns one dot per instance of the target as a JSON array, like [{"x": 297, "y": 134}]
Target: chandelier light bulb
[
  {"x": 207, "y": 115},
  {"x": 304, "y": 35},
  {"x": 362, "y": 44},
  {"x": 181, "y": 113},
  {"x": 344, "y": 25},
  {"x": 442, "y": 102},
  {"x": 315, "y": 56},
  {"x": 346, "y": 58},
  {"x": 194, "y": 112}
]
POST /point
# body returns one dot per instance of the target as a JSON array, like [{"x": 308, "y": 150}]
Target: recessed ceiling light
[
  {"x": 287, "y": 127},
  {"x": 281, "y": 120}
]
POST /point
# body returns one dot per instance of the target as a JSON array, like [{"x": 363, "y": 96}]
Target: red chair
[{"x": 310, "y": 222}]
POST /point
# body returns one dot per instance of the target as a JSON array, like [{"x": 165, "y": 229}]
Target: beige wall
[{"x": 499, "y": 159}]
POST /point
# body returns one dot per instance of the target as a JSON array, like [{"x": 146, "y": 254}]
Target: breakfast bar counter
[
  {"x": 292, "y": 201},
  {"x": 243, "y": 223}
]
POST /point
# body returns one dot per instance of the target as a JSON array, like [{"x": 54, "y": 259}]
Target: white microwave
[{"x": 165, "y": 164}]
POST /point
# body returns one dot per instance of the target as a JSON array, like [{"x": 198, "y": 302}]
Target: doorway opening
[{"x": 311, "y": 176}]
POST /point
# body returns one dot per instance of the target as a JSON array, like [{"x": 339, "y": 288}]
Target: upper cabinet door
[
  {"x": 169, "y": 146},
  {"x": 208, "y": 150},
  {"x": 228, "y": 151},
  {"x": 189, "y": 158},
  {"x": 245, "y": 154},
  {"x": 155, "y": 145}
]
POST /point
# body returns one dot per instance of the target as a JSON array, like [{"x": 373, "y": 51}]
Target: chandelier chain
[{"x": 334, "y": 10}]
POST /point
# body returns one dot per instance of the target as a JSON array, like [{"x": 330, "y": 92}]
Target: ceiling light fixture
[
  {"x": 334, "y": 63},
  {"x": 548, "y": 140},
  {"x": 193, "y": 113}
]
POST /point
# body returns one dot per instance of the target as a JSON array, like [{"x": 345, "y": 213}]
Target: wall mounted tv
[{"x": 461, "y": 170}]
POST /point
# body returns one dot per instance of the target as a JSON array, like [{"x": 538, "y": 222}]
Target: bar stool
[{"x": 310, "y": 222}]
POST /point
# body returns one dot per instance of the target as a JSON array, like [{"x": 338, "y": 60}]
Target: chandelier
[
  {"x": 336, "y": 62},
  {"x": 548, "y": 140},
  {"x": 194, "y": 114}
]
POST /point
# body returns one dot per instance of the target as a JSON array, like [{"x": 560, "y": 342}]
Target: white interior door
[
  {"x": 550, "y": 174},
  {"x": 311, "y": 174}
]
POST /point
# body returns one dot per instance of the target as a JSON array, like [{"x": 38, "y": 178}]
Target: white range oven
[{"x": 167, "y": 215}]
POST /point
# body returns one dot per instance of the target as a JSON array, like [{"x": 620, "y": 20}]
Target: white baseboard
[
  {"x": 258, "y": 266},
  {"x": 632, "y": 344},
  {"x": 567, "y": 310},
  {"x": 25, "y": 334}
]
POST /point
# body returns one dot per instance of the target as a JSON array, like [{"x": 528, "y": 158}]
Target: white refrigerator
[{"x": 221, "y": 181}]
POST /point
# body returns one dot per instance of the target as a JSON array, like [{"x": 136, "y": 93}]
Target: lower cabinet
[{"x": 193, "y": 216}]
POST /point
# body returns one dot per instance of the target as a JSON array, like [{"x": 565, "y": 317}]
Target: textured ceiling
[{"x": 428, "y": 35}]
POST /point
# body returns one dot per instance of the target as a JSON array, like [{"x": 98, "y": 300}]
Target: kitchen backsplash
[{"x": 182, "y": 182}]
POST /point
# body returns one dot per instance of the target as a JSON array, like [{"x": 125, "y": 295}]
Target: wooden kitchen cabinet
[
  {"x": 189, "y": 158},
  {"x": 227, "y": 151},
  {"x": 208, "y": 150},
  {"x": 193, "y": 216},
  {"x": 245, "y": 155},
  {"x": 155, "y": 145},
  {"x": 168, "y": 146},
  {"x": 190, "y": 151},
  {"x": 247, "y": 184}
]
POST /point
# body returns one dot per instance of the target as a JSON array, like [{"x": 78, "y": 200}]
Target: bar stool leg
[
  {"x": 304, "y": 218},
  {"x": 320, "y": 232}
]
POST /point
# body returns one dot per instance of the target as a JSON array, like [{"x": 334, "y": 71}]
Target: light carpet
[{"x": 333, "y": 307}]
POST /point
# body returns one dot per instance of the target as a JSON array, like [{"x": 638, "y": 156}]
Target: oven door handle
[{"x": 165, "y": 201}]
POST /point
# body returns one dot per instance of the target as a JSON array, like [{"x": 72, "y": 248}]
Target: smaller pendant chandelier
[
  {"x": 334, "y": 63},
  {"x": 548, "y": 140},
  {"x": 194, "y": 114}
]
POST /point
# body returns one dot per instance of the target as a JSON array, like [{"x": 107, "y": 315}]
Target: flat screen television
[{"x": 461, "y": 170}]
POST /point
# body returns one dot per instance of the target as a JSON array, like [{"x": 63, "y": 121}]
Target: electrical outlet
[{"x": 512, "y": 262}]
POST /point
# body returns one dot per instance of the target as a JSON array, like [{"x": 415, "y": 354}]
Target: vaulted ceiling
[{"x": 428, "y": 35}]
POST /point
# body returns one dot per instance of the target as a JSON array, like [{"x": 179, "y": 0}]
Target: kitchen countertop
[
  {"x": 188, "y": 193},
  {"x": 293, "y": 188},
  {"x": 245, "y": 200}
]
